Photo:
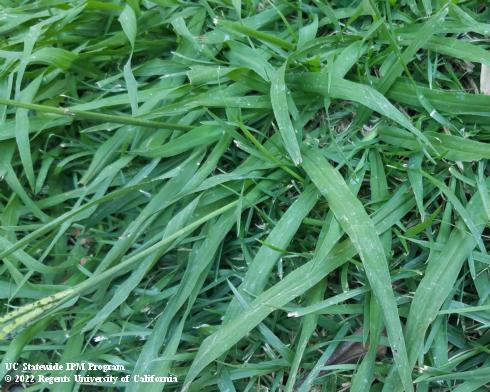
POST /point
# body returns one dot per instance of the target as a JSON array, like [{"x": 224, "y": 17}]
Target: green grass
[{"x": 251, "y": 196}]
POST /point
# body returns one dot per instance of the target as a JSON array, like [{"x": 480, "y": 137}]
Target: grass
[{"x": 249, "y": 196}]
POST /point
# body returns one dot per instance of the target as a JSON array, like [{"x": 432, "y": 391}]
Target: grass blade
[
  {"x": 357, "y": 224},
  {"x": 281, "y": 113}
]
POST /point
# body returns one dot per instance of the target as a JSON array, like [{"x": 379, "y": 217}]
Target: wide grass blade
[
  {"x": 356, "y": 223},
  {"x": 280, "y": 106}
]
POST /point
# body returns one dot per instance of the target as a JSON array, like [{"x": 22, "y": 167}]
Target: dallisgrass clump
[{"x": 248, "y": 196}]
